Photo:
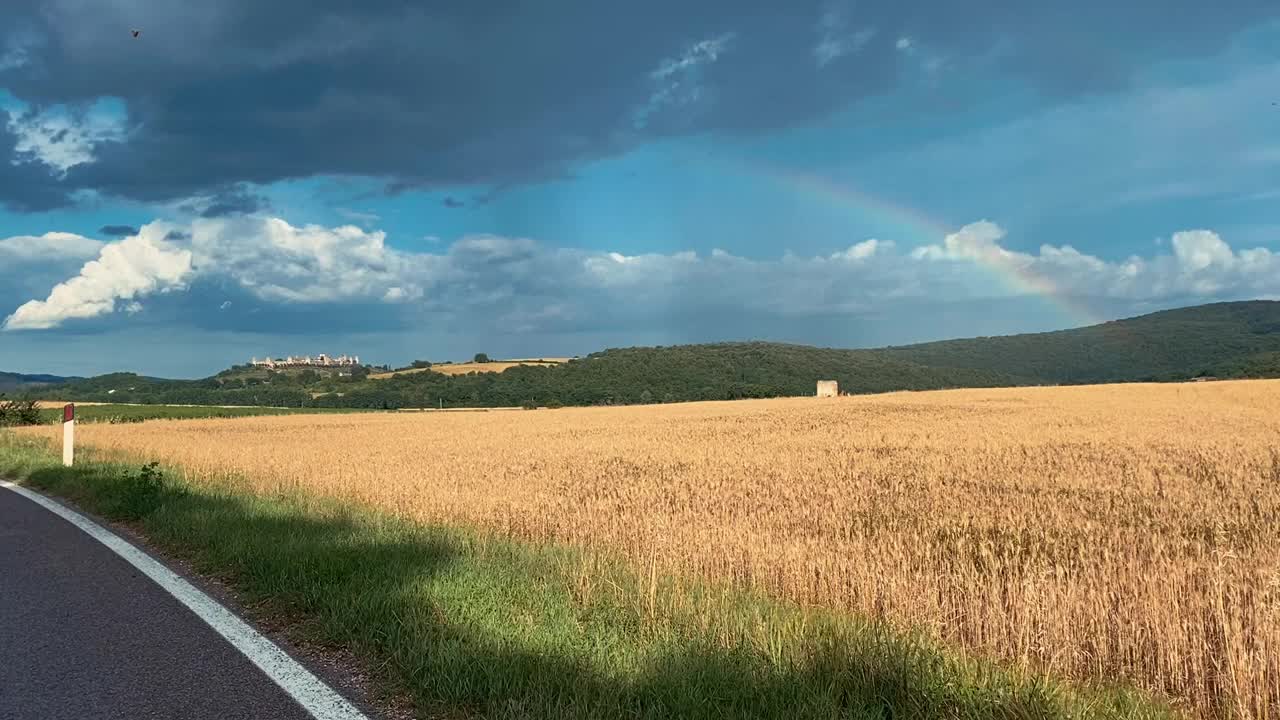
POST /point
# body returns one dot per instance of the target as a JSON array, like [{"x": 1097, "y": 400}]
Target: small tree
[
  {"x": 481, "y": 358},
  {"x": 18, "y": 412}
]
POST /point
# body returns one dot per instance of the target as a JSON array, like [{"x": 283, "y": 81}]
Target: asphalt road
[{"x": 84, "y": 634}]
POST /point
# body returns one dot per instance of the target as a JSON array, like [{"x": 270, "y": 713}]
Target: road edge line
[{"x": 309, "y": 691}]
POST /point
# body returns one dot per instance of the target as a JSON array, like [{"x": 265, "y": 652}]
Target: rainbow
[{"x": 917, "y": 229}]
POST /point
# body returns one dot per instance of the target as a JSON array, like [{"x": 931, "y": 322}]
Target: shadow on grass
[{"x": 473, "y": 626}]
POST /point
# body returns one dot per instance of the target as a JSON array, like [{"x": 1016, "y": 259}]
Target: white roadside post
[{"x": 68, "y": 435}]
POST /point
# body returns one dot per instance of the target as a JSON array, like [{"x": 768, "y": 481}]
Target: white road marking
[{"x": 310, "y": 691}]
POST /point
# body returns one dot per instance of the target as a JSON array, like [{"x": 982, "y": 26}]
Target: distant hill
[
  {"x": 1225, "y": 340},
  {"x": 11, "y": 382},
  {"x": 733, "y": 370},
  {"x": 1238, "y": 339}
]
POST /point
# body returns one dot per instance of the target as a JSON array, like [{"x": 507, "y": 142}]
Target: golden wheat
[{"x": 1101, "y": 533}]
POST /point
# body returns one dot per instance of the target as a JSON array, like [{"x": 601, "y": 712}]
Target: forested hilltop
[
  {"x": 1239, "y": 339},
  {"x": 15, "y": 381},
  {"x": 1226, "y": 340}
]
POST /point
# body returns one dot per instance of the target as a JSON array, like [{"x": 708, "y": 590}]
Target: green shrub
[
  {"x": 142, "y": 493},
  {"x": 19, "y": 412}
]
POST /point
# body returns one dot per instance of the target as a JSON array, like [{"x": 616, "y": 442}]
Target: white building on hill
[{"x": 320, "y": 360}]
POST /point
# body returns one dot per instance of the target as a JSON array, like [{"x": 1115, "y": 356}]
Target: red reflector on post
[{"x": 68, "y": 413}]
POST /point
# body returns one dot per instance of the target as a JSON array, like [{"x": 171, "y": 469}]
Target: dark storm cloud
[
  {"x": 118, "y": 230},
  {"x": 506, "y": 92},
  {"x": 227, "y": 202},
  {"x": 490, "y": 195},
  {"x": 26, "y": 187},
  {"x": 218, "y": 305}
]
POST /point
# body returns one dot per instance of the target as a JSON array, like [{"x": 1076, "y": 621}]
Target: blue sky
[{"x": 298, "y": 177}]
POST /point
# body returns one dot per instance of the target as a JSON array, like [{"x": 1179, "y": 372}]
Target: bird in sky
[{"x": 136, "y": 33}]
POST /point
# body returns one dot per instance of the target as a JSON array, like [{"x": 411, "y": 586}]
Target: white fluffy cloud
[
  {"x": 50, "y": 247},
  {"x": 863, "y": 250},
  {"x": 268, "y": 257},
  {"x": 1202, "y": 265},
  {"x": 133, "y": 268},
  {"x": 518, "y": 283},
  {"x": 280, "y": 262}
]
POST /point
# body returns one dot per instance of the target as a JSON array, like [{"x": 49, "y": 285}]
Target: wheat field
[{"x": 1106, "y": 533}]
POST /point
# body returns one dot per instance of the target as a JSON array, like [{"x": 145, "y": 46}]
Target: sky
[{"x": 403, "y": 180}]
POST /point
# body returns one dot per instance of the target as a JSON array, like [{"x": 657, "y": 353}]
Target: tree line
[{"x": 1222, "y": 340}]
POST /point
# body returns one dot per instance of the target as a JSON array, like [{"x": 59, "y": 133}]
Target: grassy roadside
[{"x": 472, "y": 625}]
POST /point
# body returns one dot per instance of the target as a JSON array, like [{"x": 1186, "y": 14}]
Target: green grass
[
  {"x": 141, "y": 413},
  {"x": 471, "y": 625}
]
